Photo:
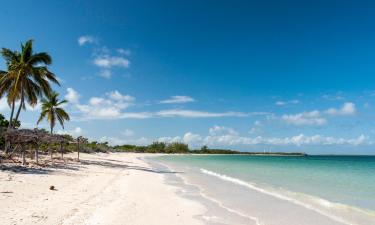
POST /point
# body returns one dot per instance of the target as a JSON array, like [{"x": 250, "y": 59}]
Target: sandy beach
[{"x": 102, "y": 189}]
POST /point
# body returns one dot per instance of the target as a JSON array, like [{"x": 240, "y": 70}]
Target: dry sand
[{"x": 117, "y": 188}]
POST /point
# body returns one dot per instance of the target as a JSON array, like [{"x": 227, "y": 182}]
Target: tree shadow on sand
[
  {"x": 109, "y": 164},
  {"x": 59, "y": 165},
  {"x": 43, "y": 169}
]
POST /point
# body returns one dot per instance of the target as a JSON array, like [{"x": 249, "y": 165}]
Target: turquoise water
[{"x": 347, "y": 180}]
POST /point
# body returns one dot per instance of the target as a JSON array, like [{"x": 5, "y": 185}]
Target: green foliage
[
  {"x": 4, "y": 123},
  {"x": 27, "y": 77},
  {"x": 177, "y": 147},
  {"x": 52, "y": 111},
  {"x": 157, "y": 147}
]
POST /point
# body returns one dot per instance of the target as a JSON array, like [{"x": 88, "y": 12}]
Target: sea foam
[{"x": 338, "y": 212}]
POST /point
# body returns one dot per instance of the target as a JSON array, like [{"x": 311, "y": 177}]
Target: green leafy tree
[
  {"x": 156, "y": 147},
  {"x": 27, "y": 78},
  {"x": 177, "y": 147},
  {"x": 51, "y": 110}
]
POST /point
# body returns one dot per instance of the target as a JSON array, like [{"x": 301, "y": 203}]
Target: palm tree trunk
[
  {"x": 62, "y": 150},
  {"x": 10, "y": 125},
  {"x": 51, "y": 153},
  {"x": 37, "y": 154},
  {"x": 11, "y": 114},
  {"x": 22, "y": 102},
  {"x": 23, "y": 155}
]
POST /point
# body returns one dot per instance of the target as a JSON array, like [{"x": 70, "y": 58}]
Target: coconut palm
[
  {"x": 27, "y": 78},
  {"x": 51, "y": 110}
]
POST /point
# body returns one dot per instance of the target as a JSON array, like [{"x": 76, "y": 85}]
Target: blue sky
[{"x": 246, "y": 75}]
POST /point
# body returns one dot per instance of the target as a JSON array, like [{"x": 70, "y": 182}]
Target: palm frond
[
  {"x": 61, "y": 112},
  {"x": 42, "y": 115},
  {"x": 38, "y": 58},
  {"x": 27, "y": 51},
  {"x": 9, "y": 55}
]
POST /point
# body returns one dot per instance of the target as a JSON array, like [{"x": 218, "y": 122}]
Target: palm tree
[
  {"x": 27, "y": 78},
  {"x": 51, "y": 110}
]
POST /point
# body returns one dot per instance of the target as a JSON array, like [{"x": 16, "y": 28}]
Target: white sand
[{"x": 105, "y": 189}]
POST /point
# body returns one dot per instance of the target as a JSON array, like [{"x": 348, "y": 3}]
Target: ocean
[{"x": 278, "y": 189}]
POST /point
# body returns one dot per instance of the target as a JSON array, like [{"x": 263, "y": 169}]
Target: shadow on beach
[
  {"x": 48, "y": 168},
  {"x": 111, "y": 164}
]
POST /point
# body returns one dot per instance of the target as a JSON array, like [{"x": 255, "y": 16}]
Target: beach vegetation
[
  {"x": 52, "y": 110},
  {"x": 27, "y": 78}
]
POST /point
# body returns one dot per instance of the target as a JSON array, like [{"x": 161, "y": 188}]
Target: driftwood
[{"x": 22, "y": 137}]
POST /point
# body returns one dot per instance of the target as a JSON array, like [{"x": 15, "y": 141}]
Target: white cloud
[
  {"x": 4, "y": 107},
  {"x": 282, "y": 103},
  {"x": 305, "y": 118},
  {"x": 178, "y": 99},
  {"x": 105, "y": 58},
  {"x": 228, "y": 140},
  {"x": 348, "y": 108},
  {"x": 113, "y": 104},
  {"x": 74, "y": 132},
  {"x": 106, "y": 61},
  {"x": 117, "y": 96},
  {"x": 72, "y": 95},
  {"x": 190, "y": 138},
  {"x": 110, "y": 106},
  {"x": 86, "y": 39},
  {"x": 315, "y": 117},
  {"x": 197, "y": 114},
  {"x": 114, "y": 112},
  {"x": 218, "y": 130}
]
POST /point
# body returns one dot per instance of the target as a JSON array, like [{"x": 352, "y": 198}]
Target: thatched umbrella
[{"x": 34, "y": 137}]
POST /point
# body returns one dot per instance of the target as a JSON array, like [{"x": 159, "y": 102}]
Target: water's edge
[{"x": 221, "y": 214}]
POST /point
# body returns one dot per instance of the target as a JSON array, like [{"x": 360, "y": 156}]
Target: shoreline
[
  {"x": 258, "y": 204},
  {"x": 114, "y": 188}
]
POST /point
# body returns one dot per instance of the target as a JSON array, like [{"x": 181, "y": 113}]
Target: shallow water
[{"x": 283, "y": 190}]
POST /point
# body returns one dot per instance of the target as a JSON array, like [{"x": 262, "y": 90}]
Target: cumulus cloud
[
  {"x": 72, "y": 95},
  {"x": 4, "y": 107},
  {"x": 86, "y": 39},
  {"x": 191, "y": 138},
  {"x": 347, "y": 108},
  {"x": 178, "y": 99},
  {"x": 77, "y": 131},
  {"x": 305, "y": 118},
  {"x": 228, "y": 140},
  {"x": 105, "y": 58},
  {"x": 106, "y": 61},
  {"x": 109, "y": 106},
  {"x": 219, "y": 130},
  {"x": 316, "y": 117}
]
